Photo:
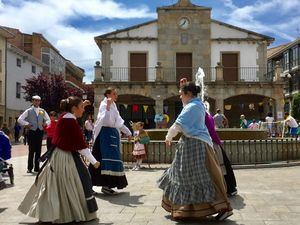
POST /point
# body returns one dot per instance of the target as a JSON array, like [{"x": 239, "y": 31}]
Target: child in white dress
[{"x": 140, "y": 139}]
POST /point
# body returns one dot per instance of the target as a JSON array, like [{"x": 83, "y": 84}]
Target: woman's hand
[
  {"x": 109, "y": 102},
  {"x": 168, "y": 143},
  {"x": 96, "y": 165},
  {"x": 86, "y": 102},
  {"x": 129, "y": 138}
]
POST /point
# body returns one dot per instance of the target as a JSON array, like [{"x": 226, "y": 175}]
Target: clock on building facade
[{"x": 184, "y": 23}]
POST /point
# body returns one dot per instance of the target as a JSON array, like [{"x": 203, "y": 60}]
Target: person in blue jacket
[{"x": 5, "y": 147}]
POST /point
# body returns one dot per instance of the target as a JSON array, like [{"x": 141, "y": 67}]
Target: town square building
[
  {"x": 287, "y": 58},
  {"x": 145, "y": 63}
]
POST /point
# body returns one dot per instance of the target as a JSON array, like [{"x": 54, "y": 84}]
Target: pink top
[{"x": 210, "y": 124}]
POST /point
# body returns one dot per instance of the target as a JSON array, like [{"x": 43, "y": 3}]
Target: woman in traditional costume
[
  {"x": 106, "y": 147},
  {"x": 225, "y": 163},
  {"x": 193, "y": 187},
  {"x": 62, "y": 192}
]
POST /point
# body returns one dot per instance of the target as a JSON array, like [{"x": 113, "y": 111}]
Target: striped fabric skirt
[
  {"x": 106, "y": 150},
  {"x": 58, "y": 196},
  {"x": 194, "y": 187}
]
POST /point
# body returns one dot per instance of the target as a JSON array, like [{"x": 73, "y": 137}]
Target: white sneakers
[{"x": 136, "y": 167}]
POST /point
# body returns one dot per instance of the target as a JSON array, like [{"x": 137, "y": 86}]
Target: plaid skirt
[
  {"x": 194, "y": 186},
  {"x": 187, "y": 181}
]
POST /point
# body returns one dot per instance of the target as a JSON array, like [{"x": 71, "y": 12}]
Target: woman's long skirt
[
  {"x": 229, "y": 176},
  {"x": 193, "y": 186},
  {"x": 106, "y": 150},
  {"x": 226, "y": 169},
  {"x": 59, "y": 195}
]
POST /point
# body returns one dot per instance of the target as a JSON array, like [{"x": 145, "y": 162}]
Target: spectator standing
[
  {"x": 220, "y": 120},
  {"x": 253, "y": 125},
  {"x": 243, "y": 122},
  {"x": 270, "y": 120},
  {"x": 292, "y": 124},
  {"x": 17, "y": 129},
  {"x": 34, "y": 118}
]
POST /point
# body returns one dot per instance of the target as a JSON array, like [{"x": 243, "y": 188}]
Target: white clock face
[{"x": 184, "y": 23}]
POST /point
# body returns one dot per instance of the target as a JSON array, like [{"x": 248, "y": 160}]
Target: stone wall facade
[{"x": 197, "y": 35}]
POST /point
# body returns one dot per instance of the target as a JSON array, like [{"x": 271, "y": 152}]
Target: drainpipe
[{"x": 5, "y": 83}]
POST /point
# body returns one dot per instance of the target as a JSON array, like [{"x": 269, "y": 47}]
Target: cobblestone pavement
[{"x": 266, "y": 197}]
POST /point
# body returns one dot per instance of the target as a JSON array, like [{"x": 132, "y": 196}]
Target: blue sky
[{"x": 71, "y": 25}]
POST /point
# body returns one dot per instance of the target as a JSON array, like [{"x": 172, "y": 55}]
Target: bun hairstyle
[
  {"x": 141, "y": 124},
  {"x": 109, "y": 91},
  {"x": 67, "y": 104},
  {"x": 190, "y": 87}
]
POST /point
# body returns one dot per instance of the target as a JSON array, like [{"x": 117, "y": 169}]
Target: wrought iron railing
[
  {"x": 124, "y": 74},
  {"x": 239, "y": 151},
  {"x": 173, "y": 74}
]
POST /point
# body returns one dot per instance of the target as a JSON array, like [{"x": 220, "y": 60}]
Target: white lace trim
[
  {"x": 113, "y": 160},
  {"x": 113, "y": 173}
]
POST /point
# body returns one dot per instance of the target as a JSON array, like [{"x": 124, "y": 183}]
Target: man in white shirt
[
  {"x": 292, "y": 123},
  {"x": 220, "y": 120},
  {"x": 269, "y": 120},
  {"x": 34, "y": 119}
]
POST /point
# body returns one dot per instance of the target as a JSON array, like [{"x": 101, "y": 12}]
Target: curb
[{"x": 270, "y": 165}]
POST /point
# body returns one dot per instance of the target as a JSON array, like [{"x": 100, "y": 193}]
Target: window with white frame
[
  {"x": 295, "y": 56},
  {"x": 286, "y": 61}
]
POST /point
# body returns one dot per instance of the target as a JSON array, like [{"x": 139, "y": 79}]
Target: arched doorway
[
  {"x": 252, "y": 106},
  {"x": 137, "y": 108},
  {"x": 172, "y": 107}
]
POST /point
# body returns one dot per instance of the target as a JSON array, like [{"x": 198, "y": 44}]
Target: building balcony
[
  {"x": 74, "y": 82},
  {"x": 173, "y": 75}
]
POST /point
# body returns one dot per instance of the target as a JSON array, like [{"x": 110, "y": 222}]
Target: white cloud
[
  {"x": 50, "y": 17},
  {"x": 229, "y": 4},
  {"x": 246, "y": 16}
]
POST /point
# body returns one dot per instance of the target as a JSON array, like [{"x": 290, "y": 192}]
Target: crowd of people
[
  {"x": 196, "y": 185},
  {"x": 289, "y": 127},
  {"x": 52, "y": 198}
]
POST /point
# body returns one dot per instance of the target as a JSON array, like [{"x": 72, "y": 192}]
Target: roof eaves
[
  {"x": 125, "y": 29},
  {"x": 23, "y": 53},
  {"x": 271, "y": 39},
  {"x": 284, "y": 48},
  {"x": 6, "y": 32}
]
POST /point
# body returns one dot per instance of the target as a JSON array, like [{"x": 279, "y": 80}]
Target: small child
[
  {"x": 140, "y": 139},
  {"x": 50, "y": 129}
]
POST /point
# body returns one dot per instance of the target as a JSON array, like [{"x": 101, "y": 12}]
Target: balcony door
[
  {"x": 184, "y": 66},
  {"x": 138, "y": 67},
  {"x": 230, "y": 63}
]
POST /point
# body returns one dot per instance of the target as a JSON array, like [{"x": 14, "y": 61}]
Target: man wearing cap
[{"x": 34, "y": 119}]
